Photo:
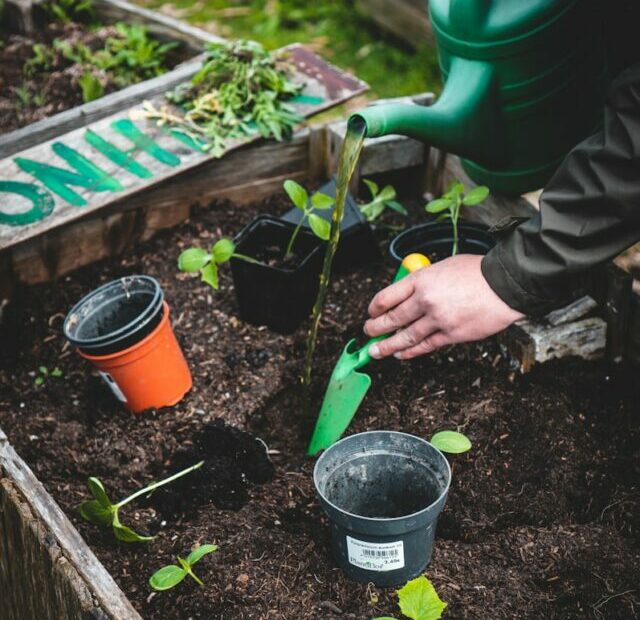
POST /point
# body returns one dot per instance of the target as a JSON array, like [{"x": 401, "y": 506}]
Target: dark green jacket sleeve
[{"x": 589, "y": 212}]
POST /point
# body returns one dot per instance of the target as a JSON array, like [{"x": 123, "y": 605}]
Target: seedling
[
  {"x": 451, "y": 442},
  {"x": 448, "y": 206},
  {"x": 66, "y": 11},
  {"x": 170, "y": 576},
  {"x": 207, "y": 263},
  {"x": 100, "y": 510},
  {"x": 380, "y": 200},
  {"x": 91, "y": 87},
  {"x": 418, "y": 600},
  {"x": 300, "y": 198},
  {"x": 43, "y": 374},
  {"x": 197, "y": 259}
]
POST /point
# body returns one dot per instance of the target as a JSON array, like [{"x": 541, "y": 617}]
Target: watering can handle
[{"x": 410, "y": 263}]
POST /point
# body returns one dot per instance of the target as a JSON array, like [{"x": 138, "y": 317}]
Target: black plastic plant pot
[
  {"x": 115, "y": 316},
  {"x": 278, "y": 297},
  {"x": 435, "y": 240},
  {"x": 357, "y": 245},
  {"x": 383, "y": 492}
]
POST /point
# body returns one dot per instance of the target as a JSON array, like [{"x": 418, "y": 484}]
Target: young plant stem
[
  {"x": 294, "y": 235},
  {"x": 454, "y": 221},
  {"x": 246, "y": 258},
  {"x": 349, "y": 155},
  {"x": 157, "y": 485}
]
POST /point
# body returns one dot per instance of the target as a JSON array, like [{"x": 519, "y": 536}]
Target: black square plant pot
[
  {"x": 277, "y": 297},
  {"x": 357, "y": 246}
]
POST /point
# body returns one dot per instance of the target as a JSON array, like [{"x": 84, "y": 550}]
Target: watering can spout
[{"x": 463, "y": 120}]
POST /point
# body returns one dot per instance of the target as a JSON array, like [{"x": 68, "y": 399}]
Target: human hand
[{"x": 447, "y": 303}]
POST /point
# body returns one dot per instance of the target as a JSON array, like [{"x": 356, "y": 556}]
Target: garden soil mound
[{"x": 543, "y": 517}]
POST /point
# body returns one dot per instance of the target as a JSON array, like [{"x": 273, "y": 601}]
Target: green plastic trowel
[{"x": 348, "y": 387}]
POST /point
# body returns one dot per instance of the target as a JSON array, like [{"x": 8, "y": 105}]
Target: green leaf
[
  {"x": 373, "y": 210},
  {"x": 397, "y": 207},
  {"x": 91, "y": 87},
  {"x": 197, "y": 554},
  {"x": 39, "y": 381},
  {"x": 438, "y": 205},
  {"x": 222, "y": 250},
  {"x": 320, "y": 227},
  {"x": 210, "y": 275},
  {"x": 126, "y": 534},
  {"x": 43, "y": 370},
  {"x": 94, "y": 512},
  {"x": 297, "y": 194},
  {"x": 373, "y": 187},
  {"x": 167, "y": 577},
  {"x": 96, "y": 488},
  {"x": 387, "y": 193},
  {"x": 455, "y": 189},
  {"x": 443, "y": 216},
  {"x": 322, "y": 201},
  {"x": 185, "y": 565},
  {"x": 56, "y": 372},
  {"x": 193, "y": 259},
  {"x": 420, "y": 601},
  {"x": 451, "y": 442},
  {"x": 476, "y": 196}
]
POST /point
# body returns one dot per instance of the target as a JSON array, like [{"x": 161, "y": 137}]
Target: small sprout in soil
[
  {"x": 419, "y": 600},
  {"x": 100, "y": 510},
  {"x": 43, "y": 374},
  {"x": 300, "y": 199},
  {"x": 67, "y": 11},
  {"x": 380, "y": 200},
  {"x": 91, "y": 87},
  {"x": 448, "y": 206},
  {"x": 170, "y": 576},
  {"x": 451, "y": 442},
  {"x": 197, "y": 259}
]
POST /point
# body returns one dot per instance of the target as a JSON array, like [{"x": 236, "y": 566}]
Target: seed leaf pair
[
  {"x": 170, "y": 576},
  {"x": 448, "y": 206},
  {"x": 101, "y": 511},
  {"x": 318, "y": 201},
  {"x": 380, "y": 200},
  {"x": 419, "y": 600}
]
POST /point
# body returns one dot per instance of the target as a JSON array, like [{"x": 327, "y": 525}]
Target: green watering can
[{"x": 524, "y": 82}]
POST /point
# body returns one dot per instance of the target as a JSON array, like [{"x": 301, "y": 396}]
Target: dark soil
[
  {"x": 29, "y": 96},
  {"x": 543, "y": 516}
]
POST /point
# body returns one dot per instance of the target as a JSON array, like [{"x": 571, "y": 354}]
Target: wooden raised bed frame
[{"x": 46, "y": 568}]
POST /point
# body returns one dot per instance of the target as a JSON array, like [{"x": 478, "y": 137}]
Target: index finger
[{"x": 391, "y": 296}]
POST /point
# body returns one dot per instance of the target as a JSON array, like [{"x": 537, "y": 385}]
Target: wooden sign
[{"x": 120, "y": 156}]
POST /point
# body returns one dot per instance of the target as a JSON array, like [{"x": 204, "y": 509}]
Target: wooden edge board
[
  {"x": 87, "y": 113},
  {"x": 83, "y": 560},
  {"x": 171, "y": 27},
  {"x": 325, "y": 87}
]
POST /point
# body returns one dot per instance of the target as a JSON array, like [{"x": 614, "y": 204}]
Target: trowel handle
[{"x": 410, "y": 263}]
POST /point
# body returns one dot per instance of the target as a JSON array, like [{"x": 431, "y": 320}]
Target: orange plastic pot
[{"x": 150, "y": 373}]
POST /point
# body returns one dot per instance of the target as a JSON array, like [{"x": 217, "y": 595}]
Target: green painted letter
[
  {"x": 117, "y": 156},
  {"x": 41, "y": 200},
  {"x": 143, "y": 142},
  {"x": 88, "y": 175}
]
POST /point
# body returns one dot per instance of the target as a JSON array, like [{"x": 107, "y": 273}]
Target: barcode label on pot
[
  {"x": 115, "y": 388},
  {"x": 375, "y": 556}
]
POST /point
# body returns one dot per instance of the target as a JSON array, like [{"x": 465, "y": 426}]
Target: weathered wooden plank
[
  {"x": 91, "y": 112},
  {"x": 574, "y": 311},
  {"x": 46, "y": 568},
  {"x": 161, "y": 25},
  {"x": 159, "y": 156},
  {"x": 406, "y": 19},
  {"x": 531, "y": 342}
]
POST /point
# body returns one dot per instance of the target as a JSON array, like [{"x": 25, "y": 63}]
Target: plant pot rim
[
  {"x": 380, "y": 520},
  {"x": 133, "y": 347},
  {"x": 265, "y": 217},
  {"x": 157, "y": 299}
]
